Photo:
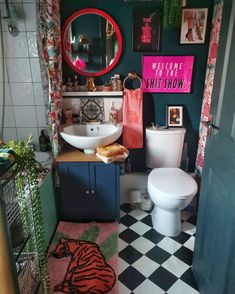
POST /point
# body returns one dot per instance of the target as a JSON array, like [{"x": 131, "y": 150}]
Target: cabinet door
[
  {"x": 76, "y": 200},
  {"x": 105, "y": 184}
]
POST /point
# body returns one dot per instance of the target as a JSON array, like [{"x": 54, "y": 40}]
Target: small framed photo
[
  {"x": 174, "y": 115},
  {"x": 146, "y": 29},
  {"x": 193, "y": 25}
]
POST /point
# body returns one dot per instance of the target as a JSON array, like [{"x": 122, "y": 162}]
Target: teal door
[{"x": 214, "y": 254}]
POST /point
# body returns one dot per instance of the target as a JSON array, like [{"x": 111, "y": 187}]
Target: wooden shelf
[{"x": 93, "y": 94}]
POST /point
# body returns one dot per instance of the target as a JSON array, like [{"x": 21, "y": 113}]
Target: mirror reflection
[{"x": 90, "y": 43}]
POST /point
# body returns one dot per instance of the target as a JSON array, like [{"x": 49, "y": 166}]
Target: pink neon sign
[{"x": 167, "y": 74}]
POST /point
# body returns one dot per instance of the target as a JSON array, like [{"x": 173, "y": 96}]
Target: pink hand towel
[{"x": 133, "y": 118}]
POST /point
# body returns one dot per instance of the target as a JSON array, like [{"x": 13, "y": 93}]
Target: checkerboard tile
[{"x": 150, "y": 262}]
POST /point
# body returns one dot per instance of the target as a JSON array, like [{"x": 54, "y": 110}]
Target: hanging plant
[
  {"x": 27, "y": 175},
  {"x": 172, "y": 13}
]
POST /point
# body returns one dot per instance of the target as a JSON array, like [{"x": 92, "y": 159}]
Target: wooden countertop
[{"x": 74, "y": 155}]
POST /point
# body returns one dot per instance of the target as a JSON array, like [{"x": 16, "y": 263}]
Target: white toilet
[{"x": 169, "y": 187}]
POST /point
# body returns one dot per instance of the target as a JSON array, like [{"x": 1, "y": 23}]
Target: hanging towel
[{"x": 133, "y": 118}]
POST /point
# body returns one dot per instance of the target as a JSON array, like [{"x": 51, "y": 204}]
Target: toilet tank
[{"x": 164, "y": 147}]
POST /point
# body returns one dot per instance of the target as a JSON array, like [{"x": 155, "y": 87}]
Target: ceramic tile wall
[
  {"x": 74, "y": 104},
  {"x": 24, "y": 106}
]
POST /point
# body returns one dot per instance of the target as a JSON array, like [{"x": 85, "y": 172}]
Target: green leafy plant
[{"x": 26, "y": 180}]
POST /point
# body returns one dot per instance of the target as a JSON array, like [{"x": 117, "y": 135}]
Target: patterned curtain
[
  {"x": 49, "y": 45},
  {"x": 209, "y": 81}
]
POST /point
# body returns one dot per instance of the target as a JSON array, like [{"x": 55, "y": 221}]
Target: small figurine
[{"x": 90, "y": 85}]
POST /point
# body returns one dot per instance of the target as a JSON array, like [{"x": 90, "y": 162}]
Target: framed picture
[
  {"x": 193, "y": 25},
  {"x": 146, "y": 29},
  {"x": 174, "y": 115},
  {"x": 167, "y": 74}
]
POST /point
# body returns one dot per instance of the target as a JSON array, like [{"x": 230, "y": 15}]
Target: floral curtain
[
  {"x": 210, "y": 73},
  {"x": 49, "y": 45}
]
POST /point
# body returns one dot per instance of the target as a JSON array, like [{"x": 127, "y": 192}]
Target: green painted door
[{"x": 214, "y": 254}]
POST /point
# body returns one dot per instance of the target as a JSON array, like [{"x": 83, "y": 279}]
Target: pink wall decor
[{"x": 167, "y": 74}]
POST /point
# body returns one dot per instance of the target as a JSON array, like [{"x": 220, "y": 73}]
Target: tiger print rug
[{"x": 83, "y": 258}]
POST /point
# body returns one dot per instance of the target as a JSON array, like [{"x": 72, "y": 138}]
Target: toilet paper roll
[
  {"x": 146, "y": 204},
  {"x": 135, "y": 196}
]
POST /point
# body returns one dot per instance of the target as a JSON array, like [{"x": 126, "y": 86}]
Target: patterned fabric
[
  {"x": 209, "y": 81},
  {"x": 49, "y": 46}
]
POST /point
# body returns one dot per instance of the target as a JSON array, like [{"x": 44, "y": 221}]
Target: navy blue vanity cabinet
[{"x": 89, "y": 191}]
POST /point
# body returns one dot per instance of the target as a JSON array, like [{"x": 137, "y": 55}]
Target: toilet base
[{"x": 167, "y": 223}]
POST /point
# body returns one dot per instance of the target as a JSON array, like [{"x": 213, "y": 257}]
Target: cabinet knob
[
  {"x": 87, "y": 192},
  {"x": 92, "y": 192}
]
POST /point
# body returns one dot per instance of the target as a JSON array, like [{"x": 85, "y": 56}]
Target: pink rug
[{"x": 83, "y": 258}]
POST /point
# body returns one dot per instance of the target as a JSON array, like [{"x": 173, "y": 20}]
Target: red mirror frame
[{"x": 119, "y": 39}]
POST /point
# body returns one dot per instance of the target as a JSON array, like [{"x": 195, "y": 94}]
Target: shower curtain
[
  {"x": 49, "y": 47},
  {"x": 209, "y": 81}
]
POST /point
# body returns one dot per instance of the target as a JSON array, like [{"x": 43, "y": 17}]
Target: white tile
[
  {"x": 145, "y": 266},
  {"x": 10, "y": 134},
  {"x": 122, "y": 213},
  {"x": 188, "y": 228},
  {"x": 9, "y": 121},
  {"x": 142, "y": 245},
  {"x": 121, "y": 244},
  {"x": 169, "y": 245},
  {"x": 15, "y": 46},
  {"x": 32, "y": 44},
  {"x": 19, "y": 70},
  {"x": 179, "y": 287},
  {"x": 36, "y": 71},
  {"x": 123, "y": 289},
  {"x": 18, "y": 21},
  {"x": 8, "y": 99},
  {"x": 138, "y": 214},
  {"x": 41, "y": 116},
  {"x": 23, "y": 134},
  {"x": 122, "y": 265},
  {"x": 38, "y": 94},
  {"x": 175, "y": 266},
  {"x": 190, "y": 243},
  {"x": 22, "y": 93},
  {"x": 148, "y": 287},
  {"x": 30, "y": 17},
  {"x": 140, "y": 228},
  {"x": 122, "y": 228},
  {"x": 25, "y": 116}
]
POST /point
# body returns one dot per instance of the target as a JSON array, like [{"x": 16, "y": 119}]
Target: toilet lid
[{"x": 172, "y": 182}]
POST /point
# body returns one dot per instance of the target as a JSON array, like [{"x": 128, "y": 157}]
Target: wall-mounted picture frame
[
  {"x": 146, "y": 29},
  {"x": 167, "y": 74},
  {"x": 174, "y": 115},
  {"x": 193, "y": 25}
]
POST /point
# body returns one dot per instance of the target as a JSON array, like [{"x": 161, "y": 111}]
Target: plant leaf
[
  {"x": 109, "y": 246},
  {"x": 58, "y": 236},
  {"x": 90, "y": 234}
]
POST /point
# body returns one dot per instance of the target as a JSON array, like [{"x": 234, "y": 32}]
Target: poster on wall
[
  {"x": 146, "y": 29},
  {"x": 167, "y": 74}
]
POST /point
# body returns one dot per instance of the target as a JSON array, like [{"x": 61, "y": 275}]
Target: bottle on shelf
[
  {"x": 113, "y": 114},
  {"x": 69, "y": 85},
  {"x": 118, "y": 82},
  {"x": 75, "y": 84},
  {"x": 43, "y": 142}
]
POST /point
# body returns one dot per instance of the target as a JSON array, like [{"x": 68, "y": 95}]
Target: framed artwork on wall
[
  {"x": 167, "y": 74},
  {"x": 193, "y": 25},
  {"x": 146, "y": 29},
  {"x": 174, "y": 115}
]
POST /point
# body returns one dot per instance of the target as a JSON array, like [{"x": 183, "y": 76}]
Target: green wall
[{"x": 154, "y": 104}]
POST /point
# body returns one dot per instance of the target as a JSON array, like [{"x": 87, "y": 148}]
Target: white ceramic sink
[{"x": 91, "y": 136}]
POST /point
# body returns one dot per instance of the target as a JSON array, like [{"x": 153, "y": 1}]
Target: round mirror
[{"x": 91, "y": 42}]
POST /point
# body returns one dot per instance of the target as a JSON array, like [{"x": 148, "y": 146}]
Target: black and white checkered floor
[{"x": 150, "y": 263}]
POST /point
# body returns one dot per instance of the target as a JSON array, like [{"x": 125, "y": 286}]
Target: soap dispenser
[{"x": 113, "y": 114}]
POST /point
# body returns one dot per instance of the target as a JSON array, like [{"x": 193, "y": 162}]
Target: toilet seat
[{"x": 172, "y": 183}]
